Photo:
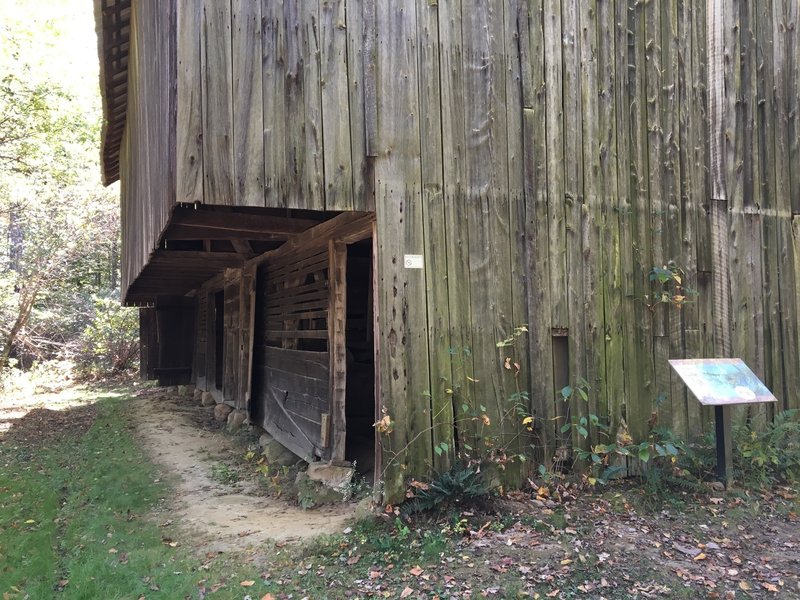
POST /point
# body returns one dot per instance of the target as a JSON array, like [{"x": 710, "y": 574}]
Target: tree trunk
[{"x": 16, "y": 239}]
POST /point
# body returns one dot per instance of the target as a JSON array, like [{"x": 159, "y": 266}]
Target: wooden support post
[{"x": 337, "y": 322}]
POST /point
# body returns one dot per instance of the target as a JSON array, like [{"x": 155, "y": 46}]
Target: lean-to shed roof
[{"x": 112, "y": 20}]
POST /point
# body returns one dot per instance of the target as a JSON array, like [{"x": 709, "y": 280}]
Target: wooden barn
[{"x": 334, "y": 210}]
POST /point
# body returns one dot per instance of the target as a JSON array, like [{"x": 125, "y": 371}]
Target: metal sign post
[{"x": 722, "y": 383}]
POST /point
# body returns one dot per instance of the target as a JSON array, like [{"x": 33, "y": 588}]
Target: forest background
[{"x": 59, "y": 250}]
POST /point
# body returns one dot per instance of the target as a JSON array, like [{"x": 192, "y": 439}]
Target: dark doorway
[
  {"x": 219, "y": 338},
  {"x": 360, "y": 395}
]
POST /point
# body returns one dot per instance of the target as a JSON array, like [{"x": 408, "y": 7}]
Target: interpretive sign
[
  {"x": 414, "y": 261},
  {"x": 722, "y": 381}
]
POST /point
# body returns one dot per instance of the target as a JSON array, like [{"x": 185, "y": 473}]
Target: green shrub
[
  {"x": 769, "y": 455},
  {"x": 110, "y": 343},
  {"x": 461, "y": 484}
]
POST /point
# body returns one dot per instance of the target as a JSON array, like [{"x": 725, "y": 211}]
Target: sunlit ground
[{"x": 49, "y": 386}]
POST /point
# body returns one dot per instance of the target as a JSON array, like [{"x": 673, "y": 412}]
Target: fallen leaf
[
  {"x": 353, "y": 559},
  {"x": 247, "y": 583},
  {"x": 416, "y": 571},
  {"x": 406, "y": 592},
  {"x": 701, "y": 556},
  {"x": 267, "y": 597},
  {"x": 112, "y": 550},
  {"x": 744, "y": 586},
  {"x": 770, "y": 587}
]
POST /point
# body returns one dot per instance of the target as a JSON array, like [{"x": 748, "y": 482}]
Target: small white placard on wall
[{"x": 413, "y": 261}]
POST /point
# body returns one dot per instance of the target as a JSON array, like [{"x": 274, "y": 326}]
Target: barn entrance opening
[{"x": 359, "y": 343}]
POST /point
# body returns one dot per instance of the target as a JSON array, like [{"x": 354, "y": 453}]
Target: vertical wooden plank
[
  {"x": 217, "y": 104},
  {"x": 518, "y": 90},
  {"x": 594, "y": 275},
  {"x": 436, "y": 273},
  {"x": 534, "y": 51},
  {"x": 625, "y": 77},
  {"x": 451, "y": 68},
  {"x": 362, "y": 175},
  {"x": 783, "y": 201},
  {"x": 701, "y": 194},
  {"x": 248, "y": 105},
  {"x": 302, "y": 108},
  {"x": 230, "y": 365},
  {"x": 692, "y": 195},
  {"x": 573, "y": 199},
  {"x": 487, "y": 203},
  {"x": 791, "y": 24},
  {"x": 337, "y": 353},
  {"x": 189, "y": 128},
  {"x": 641, "y": 382},
  {"x": 789, "y": 256},
  {"x": 370, "y": 79},
  {"x": 657, "y": 157},
  {"x": 377, "y": 342},
  {"x": 764, "y": 128},
  {"x": 405, "y": 377},
  {"x": 333, "y": 78},
  {"x": 246, "y": 308},
  {"x": 273, "y": 71},
  {"x": 672, "y": 178},
  {"x": 614, "y": 200},
  {"x": 555, "y": 132},
  {"x": 719, "y": 183}
]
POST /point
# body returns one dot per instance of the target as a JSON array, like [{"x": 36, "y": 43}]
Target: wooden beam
[
  {"x": 183, "y": 232},
  {"x": 243, "y": 248},
  {"x": 238, "y": 221},
  {"x": 347, "y": 227},
  {"x": 337, "y": 322},
  {"x": 198, "y": 257}
]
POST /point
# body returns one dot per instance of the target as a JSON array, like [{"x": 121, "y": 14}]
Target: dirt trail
[{"x": 223, "y": 517}]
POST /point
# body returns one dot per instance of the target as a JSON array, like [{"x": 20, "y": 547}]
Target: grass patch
[{"x": 75, "y": 517}]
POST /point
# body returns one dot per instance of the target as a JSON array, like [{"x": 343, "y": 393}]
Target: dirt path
[{"x": 222, "y": 517}]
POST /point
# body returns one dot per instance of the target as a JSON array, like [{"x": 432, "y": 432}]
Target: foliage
[
  {"x": 481, "y": 441},
  {"x": 769, "y": 455},
  {"x": 60, "y": 227},
  {"x": 460, "y": 484},
  {"x": 607, "y": 458},
  {"x": 667, "y": 287},
  {"x": 110, "y": 342},
  {"x": 223, "y": 473}
]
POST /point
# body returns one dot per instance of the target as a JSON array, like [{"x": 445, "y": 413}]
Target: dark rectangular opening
[
  {"x": 360, "y": 390},
  {"x": 561, "y": 380}
]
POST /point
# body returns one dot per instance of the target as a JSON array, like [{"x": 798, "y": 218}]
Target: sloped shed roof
[{"x": 112, "y": 20}]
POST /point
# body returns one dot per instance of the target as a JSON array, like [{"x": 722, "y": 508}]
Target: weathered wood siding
[
  {"x": 543, "y": 155},
  {"x": 272, "y": 106},
  {"x": 147, "y": 154}
]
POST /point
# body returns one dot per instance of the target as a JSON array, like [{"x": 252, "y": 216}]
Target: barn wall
[
  {"x": 272, "y": 106},
  {"x": 147, "y": 191},
  {"x": 544, "y": 156}
]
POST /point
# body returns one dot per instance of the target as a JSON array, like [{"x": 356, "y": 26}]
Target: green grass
[{"x": 77, "y": 515}]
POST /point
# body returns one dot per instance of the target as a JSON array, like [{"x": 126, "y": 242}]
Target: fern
[{"x": 460, "y": 484}]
